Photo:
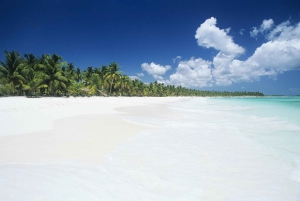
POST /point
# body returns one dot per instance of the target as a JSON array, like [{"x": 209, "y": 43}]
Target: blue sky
[{"x": 219, "y": 45}]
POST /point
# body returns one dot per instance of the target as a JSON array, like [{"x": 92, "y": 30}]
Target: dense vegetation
[{"x": 52, "y": 76}]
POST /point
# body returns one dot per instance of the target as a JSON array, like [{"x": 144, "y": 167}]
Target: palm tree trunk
[{"x": 111, "y": 86}]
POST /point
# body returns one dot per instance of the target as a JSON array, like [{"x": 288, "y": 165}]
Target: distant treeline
[{"x": 50, "y": 75}]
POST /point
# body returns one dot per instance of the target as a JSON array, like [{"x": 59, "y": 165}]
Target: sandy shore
[
  {"x": 74, "y": 129},
  {"x": 120, "y": 148}
]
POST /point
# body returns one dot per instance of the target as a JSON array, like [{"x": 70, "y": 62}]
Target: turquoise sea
[
  {"x": 278, "y": 116},
  {"x": 221, "y": 149}
]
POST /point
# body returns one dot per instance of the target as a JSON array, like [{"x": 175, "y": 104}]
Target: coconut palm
[
  {"x": 54, "y": 78},
  {"x": 153, "y": 89},
  {"x": 10, "y": 72},
  {"x": 78, "y": 89},
  {"x": 35, "y": 77},
  {"x": 78, "y": 75},
  {"x": 138, "y": 88},
  {"x": 50, "y": 75},
  {"x": 95, "y": 84},
  {"x": 70, "y": 71},
  {"x": 112, "y": 75},
  {"x": 36, "y": 83},
  {"x": 123, "y": 84}
]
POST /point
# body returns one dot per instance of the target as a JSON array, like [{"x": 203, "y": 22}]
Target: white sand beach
[
  {"x": 58, "y": 129},
  {"x": 141, "y": 148}
]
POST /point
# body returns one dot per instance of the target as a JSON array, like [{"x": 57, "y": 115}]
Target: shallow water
[{"x": 222, "y": 149}]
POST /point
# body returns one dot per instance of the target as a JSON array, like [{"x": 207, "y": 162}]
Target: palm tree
[
  {"x": 33, "y": 74},
  {"x": 54, "y": 77},
  {"x": 30, "y": 75},
  {"x": 123, "y": 83},
  {"x": 95, "y": 84},
  {"x": 77, "y": 89},
  {"x": 10, "y": 75},
  {"x": 153, "y": 89},
  {"x": 87, "y": 75},
  {"x": 112, "y": 75},
  {"x": 138, "y": 88},
  {"x": 36, "y": 83},
  {"x": 70, "y": 72},
  {"x": 78, "y": 75},
  {"x": 102, "y": 72},
  {"x": 160, "y": 88}
]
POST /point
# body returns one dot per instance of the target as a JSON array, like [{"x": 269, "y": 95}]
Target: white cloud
[
  {"x": 158, "y": 77},
  {"x": 242, "y": 31},
  {"x": 155, "y": 69},
  {"x": 278, "y": 30},
  {"x": 192, "y": 73},
  {"x": 176, "y": 59},
  {"x": 137, "y": 76},
  {"x": 281, "y": 53},
  {"x": 208, "y": 35},
  {"x": 227, "y": 30},
  {"x": 254, "y": 32},
  {"x": 264, "y": 27},
  {"x": 284, "y": 31},
  {"x": 133, "y": 77}
]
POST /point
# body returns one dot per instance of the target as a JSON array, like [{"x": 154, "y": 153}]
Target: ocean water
[{"x": 227, "y": 149}]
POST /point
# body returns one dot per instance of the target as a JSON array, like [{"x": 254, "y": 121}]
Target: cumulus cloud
[
  {"x": 155, "y": 69},
  {"x": 134, "y": 77},
  {"x": 284, "y": 31},
  {"x": 280, "y": 53},
  {"x": 210, "y": 36},
  {"x": 194, "y": 72},
  {"x": 158, "y": 77},
  {"x": 137, "y": 76},
  {"x": 264, "y": 27},
  {"x": 176, "y": 59},
  {"x": 254, "y": 32}
]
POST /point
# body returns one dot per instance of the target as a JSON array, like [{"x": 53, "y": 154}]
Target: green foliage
[
  {"x": 11, "y": 72},
  {"x": 50, "y": 75},
  {"x": 5, "y": 90}
]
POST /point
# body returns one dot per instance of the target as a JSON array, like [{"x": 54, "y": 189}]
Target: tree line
[{"x": 50, "y": 75}]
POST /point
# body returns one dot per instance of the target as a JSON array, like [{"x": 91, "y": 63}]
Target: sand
[
  {"x": 120, "y": 148},
  {"x": 71, "y": 129}
]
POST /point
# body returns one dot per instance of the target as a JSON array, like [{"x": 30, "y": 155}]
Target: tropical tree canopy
[{"x": 50, "y": 75}]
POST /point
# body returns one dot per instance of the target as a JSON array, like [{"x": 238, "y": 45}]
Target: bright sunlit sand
[
  {"x": 56, "y": 129},
  {"x": 141, "y": 148}
]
